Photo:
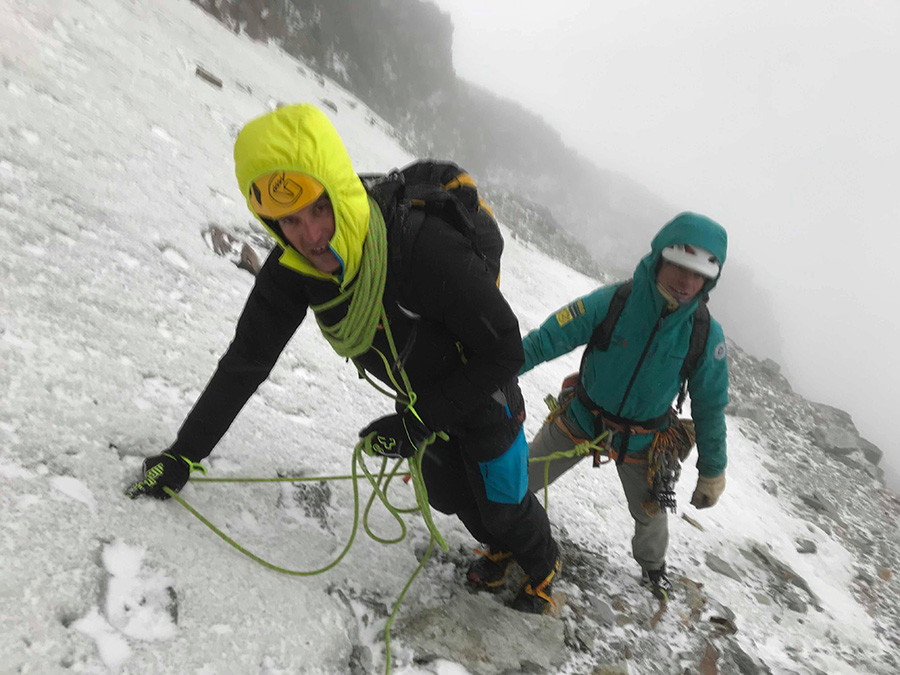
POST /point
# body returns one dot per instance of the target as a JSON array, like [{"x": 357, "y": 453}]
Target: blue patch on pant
[{"x": 506, "y": 477}]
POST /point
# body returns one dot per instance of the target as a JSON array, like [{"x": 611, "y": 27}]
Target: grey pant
[{"x": 651, "y": 533}]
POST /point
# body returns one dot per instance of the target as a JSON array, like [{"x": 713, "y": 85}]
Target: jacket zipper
[{"x": 640, "y": 362}]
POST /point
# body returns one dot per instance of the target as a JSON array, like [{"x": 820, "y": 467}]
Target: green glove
[{"x": 163, "y": 471}]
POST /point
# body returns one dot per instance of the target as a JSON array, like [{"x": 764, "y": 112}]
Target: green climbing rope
[
  {"x": 380, "y": 483},
  {"x": 584, "y": 448},
  {"x": 353, "y": 334}
]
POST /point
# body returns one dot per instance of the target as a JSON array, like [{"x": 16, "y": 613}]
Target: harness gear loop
[{"x": 670, "y": 447}]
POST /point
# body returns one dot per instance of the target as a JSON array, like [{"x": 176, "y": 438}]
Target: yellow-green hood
[{"x": 301, "y": 138}]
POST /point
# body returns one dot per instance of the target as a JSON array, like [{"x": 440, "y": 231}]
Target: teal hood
[{"x": 687, "y": 228}]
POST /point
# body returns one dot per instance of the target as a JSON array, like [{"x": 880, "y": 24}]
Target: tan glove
[{"x": 708, "y": 491}]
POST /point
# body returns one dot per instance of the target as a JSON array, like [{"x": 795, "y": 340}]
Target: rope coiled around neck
[{"x": 353, "y": 335}]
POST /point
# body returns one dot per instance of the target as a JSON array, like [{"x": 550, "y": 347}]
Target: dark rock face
[
  {"x": 364, "y": 45},
  {"x": 770, "y": 367},
  {"x": 806, "y": 546},
  {"x": 871, "y": 451}
]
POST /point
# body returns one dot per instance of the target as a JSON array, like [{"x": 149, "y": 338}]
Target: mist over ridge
[{"x": 595, "y": 219}]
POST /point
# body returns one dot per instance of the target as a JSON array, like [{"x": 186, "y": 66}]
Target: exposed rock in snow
[
  {"x": 770, "y": 367},
  {"x": 836, "y": 440},
  {"x": 716, "y": 564},
  {"x": 783, "y": 574},
  {"x": 750, "y": 412},
  {"x": 485, "y": 637},
  {"x": 806, "y": 546}
]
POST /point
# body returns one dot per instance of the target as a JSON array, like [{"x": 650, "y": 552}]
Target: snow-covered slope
[{"x": 115, "y": 158}]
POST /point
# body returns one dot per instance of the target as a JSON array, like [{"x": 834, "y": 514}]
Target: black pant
[{"x": 456, "y": 486}]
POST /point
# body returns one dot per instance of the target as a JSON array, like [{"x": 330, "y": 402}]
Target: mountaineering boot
[
  {"x": 533, "y": 599},
  {"x": 488, "y": 573},
  {"x": 658, "y": 583}
]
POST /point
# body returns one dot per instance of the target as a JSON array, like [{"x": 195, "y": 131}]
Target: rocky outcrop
[
  {"x": 870, "y": 451},
  {"x": 392, "y": 55},
  {"x": 760, "y": 392},
  {"x": 836, "y": 440}
]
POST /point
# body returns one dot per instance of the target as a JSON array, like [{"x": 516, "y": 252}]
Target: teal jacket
[{"x": 606, "y": 375}]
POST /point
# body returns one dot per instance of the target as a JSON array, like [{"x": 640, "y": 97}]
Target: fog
[{"x": 780, "y": 120}]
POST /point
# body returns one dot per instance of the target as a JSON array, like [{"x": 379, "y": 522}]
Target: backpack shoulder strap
[
  {"x": 402, "y": 223},
  {"x": 602, "y": 334},
  {"x": 699, "y": 338},
  {"x": 697, "y": 345}
]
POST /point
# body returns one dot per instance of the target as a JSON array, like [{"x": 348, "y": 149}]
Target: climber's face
[
  {"x": 310, "y": 230},
  {"x": 683, "y": 284}
]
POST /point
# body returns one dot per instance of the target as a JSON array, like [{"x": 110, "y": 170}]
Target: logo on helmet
[{"x": 284, "y": 191}]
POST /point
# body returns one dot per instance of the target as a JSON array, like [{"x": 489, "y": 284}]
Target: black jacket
[{"x": 466, "y": 347}]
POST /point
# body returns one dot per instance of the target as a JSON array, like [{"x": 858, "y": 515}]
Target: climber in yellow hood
[
  {"x": 293, "y": 169},
  {"x": 401, "y": 274}
]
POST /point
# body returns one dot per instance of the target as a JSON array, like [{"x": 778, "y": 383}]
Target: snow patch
[
  {"x": 25, "y": 502},
  {"x": 74, "y": 488},
  {"x": 113, "y": 648},
  {"x": 34, "y": 250},
  {"x": 140, "y": 602},
  {"x": 13, "y": 470},
  {"x": 16, "y": 90},
  {"x": 174, "y": 257},
  {"x": 159, "y": 132},
  {"x": 30, "y": 136}
]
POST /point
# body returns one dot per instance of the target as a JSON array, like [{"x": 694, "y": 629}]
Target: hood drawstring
[{"x": 671, "y": 303}]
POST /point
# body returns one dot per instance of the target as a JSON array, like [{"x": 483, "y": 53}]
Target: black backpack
[
  {"x": 406, "y": 196},
  {"x": 602, "y": 335}
]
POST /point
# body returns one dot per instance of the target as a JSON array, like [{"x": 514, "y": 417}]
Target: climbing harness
[
  {"x": 558, "y": 407},
  {"x": 669, "y": 448}
]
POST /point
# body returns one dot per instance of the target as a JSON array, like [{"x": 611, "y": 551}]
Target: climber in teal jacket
[{"x": 627, "y": 386}]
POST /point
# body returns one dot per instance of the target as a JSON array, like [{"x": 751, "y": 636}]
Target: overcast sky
[{"x": 779, "y": 119}]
